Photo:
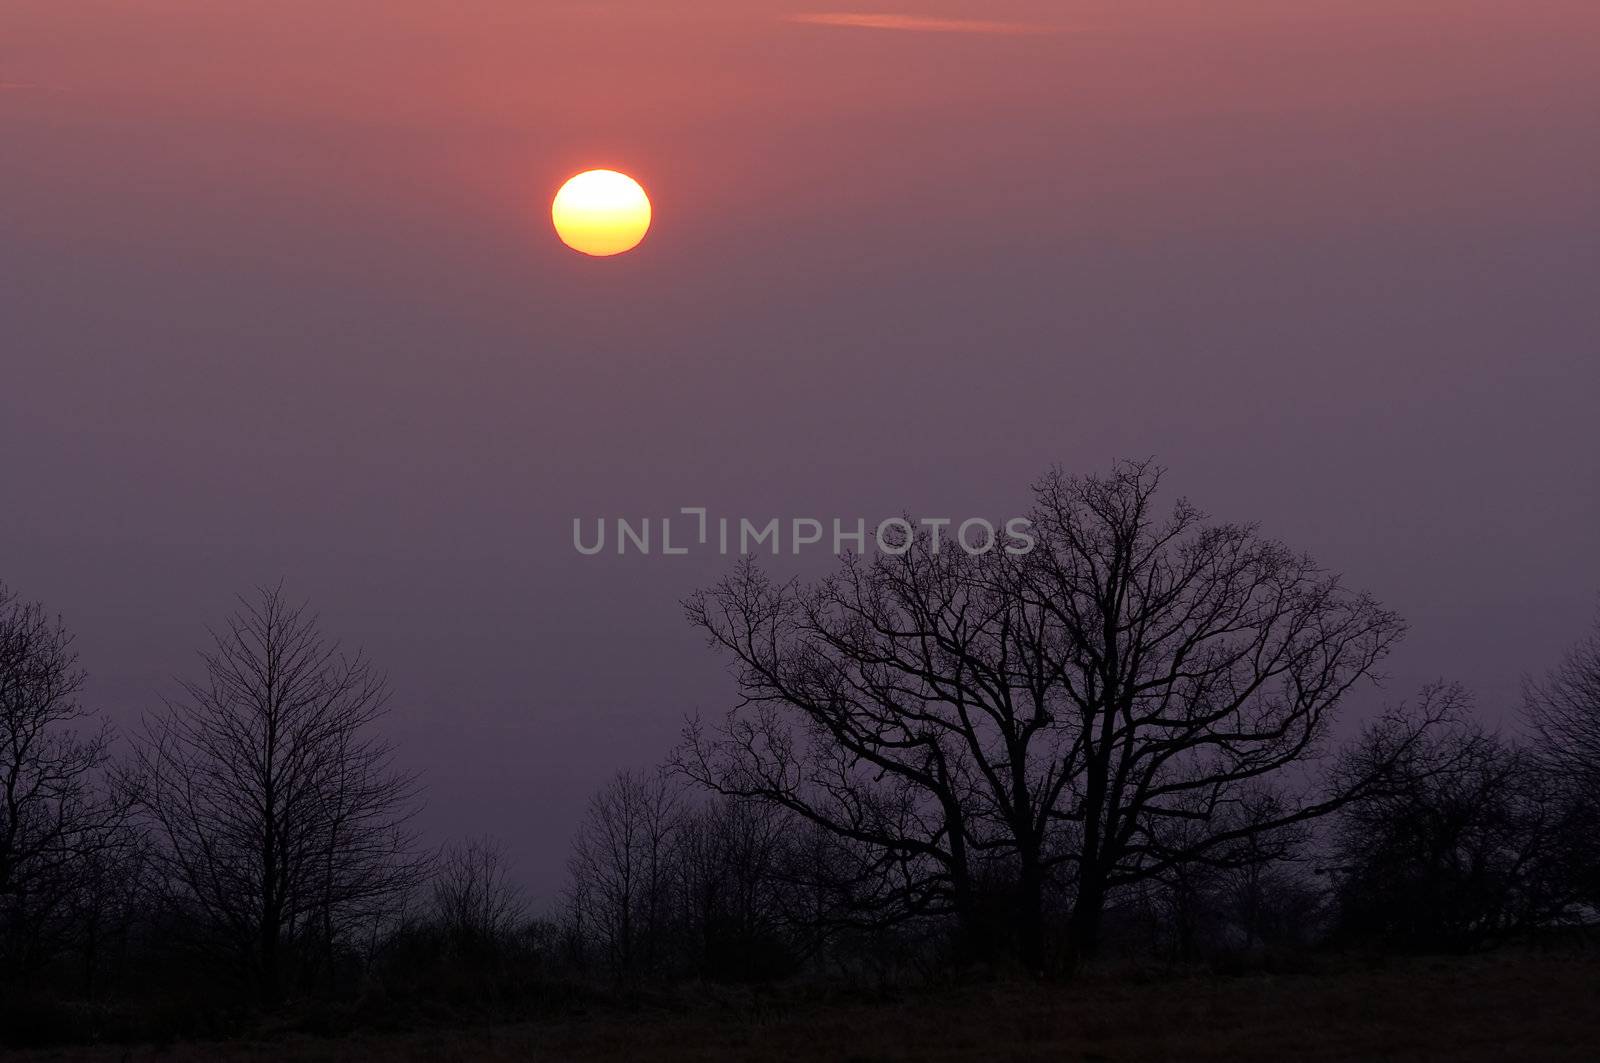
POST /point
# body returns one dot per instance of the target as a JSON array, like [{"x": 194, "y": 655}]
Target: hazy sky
[{"x": 279, "y": 298}]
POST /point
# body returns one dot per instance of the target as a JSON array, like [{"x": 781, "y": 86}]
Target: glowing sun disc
[{"x": 601, "y": 212}]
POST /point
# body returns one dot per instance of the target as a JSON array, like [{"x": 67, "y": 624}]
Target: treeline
[
  {"x": 1458, "y": 839},
  {"x": 1119, "y": 743}
]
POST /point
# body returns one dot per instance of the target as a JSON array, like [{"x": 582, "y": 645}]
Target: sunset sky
[{"x": 280, "y": 299}]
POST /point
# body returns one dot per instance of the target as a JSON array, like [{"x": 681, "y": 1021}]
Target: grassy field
[{"x": 1523, "y": 1006}]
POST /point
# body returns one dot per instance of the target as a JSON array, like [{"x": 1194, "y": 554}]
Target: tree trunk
[
  {"x": 267, "y": 971},
  {"x": 268, "y": 982},
  {"x": 972, "y": 945},
  {"x": 1029, "y": 918},
  {"x": 1083, "y": 931}
]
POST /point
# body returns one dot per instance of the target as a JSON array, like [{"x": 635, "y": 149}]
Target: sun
[{"x": 601, "y": 213}]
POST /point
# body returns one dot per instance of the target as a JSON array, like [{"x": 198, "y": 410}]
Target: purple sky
[{"x": 279, "y": 299}]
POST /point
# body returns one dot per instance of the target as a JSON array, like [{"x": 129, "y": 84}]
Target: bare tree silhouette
[
  {"x": 475, "y": 901},
  {"x": 1564, "y": 708},
  {"x": 281, "y": 817},
  {"x": 737, "y": 904},
  {"x": 56, "y": 816},
  {"x": 1461, "y": 840},
  {"x": 1129, "y": 695},
  {"x": 1197, "y": 663},
  {"x": 621, "y": 871}
]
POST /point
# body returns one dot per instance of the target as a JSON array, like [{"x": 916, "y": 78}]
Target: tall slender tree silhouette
[{"x": 281, "y": 816}]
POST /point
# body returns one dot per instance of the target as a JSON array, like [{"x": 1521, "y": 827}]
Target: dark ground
[{"x": 1509, "y": 1005}]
